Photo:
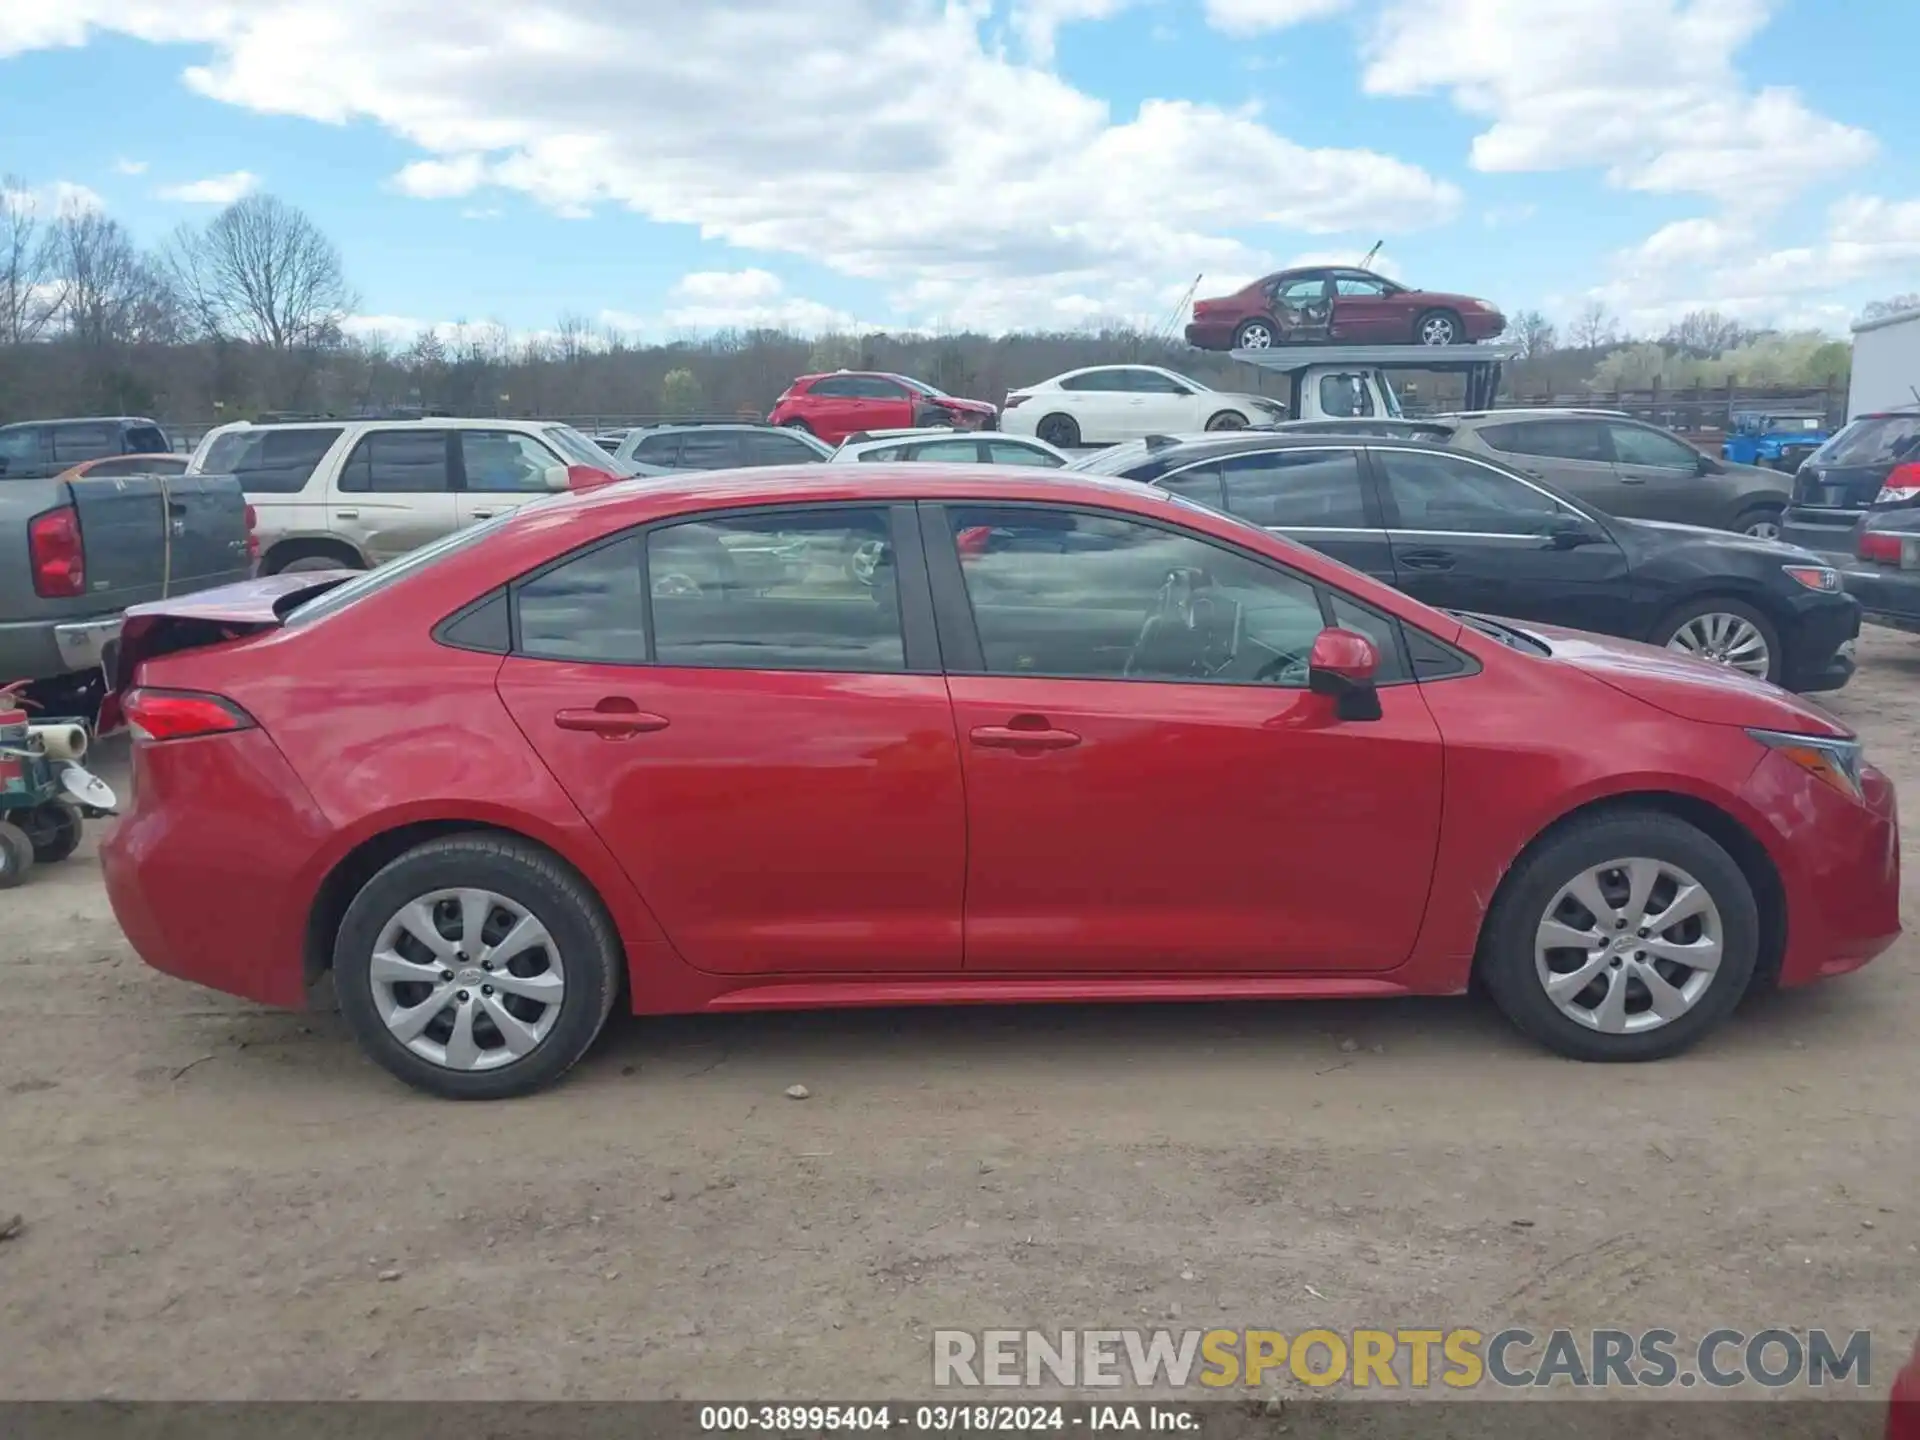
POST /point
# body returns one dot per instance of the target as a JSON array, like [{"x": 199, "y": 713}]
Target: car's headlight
[
  {"x": 1825, "y": 757},
  {"x": 1814, "y": 577}
]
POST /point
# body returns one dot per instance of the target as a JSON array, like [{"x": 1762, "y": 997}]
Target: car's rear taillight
[
  {"x": 1878, "y": 546},
  {"x": 1015, "y": 400},
  {"x": 180, "y": 714},
  {"x": 1903, "y": 484},
  {"x": 253, "y": 535},
  {"x": 585, "y": 477},
  {"x": 54, "y": 550}
]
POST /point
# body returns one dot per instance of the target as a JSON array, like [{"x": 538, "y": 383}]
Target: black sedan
[{"x": 1464, "y": 532}]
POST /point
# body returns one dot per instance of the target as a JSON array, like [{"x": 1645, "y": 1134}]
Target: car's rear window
[
  {"x": 270, "y": 462},
  {"x": 1873, "y": 440},
  {"x": 372, "y": 581},
  {"x": 147, "y": 440},
  {"x": 1115, "y": 460}
]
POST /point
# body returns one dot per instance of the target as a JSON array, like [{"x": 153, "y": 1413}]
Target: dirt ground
[{"x": 221, "y": 1201}]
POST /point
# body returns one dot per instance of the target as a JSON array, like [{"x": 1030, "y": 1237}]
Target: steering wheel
[
  {"x": 1187, "y": 612},
  {"x": 675, "y": 583},
  {"x": 1290, "y": 670}
]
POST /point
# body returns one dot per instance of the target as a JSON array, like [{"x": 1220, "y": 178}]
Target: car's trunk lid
[
  {"x": 1837, "y": 490},
  {"x": 213, "y": 617}
]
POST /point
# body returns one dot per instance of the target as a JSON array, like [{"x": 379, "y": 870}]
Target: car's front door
[
  {"x": 748, "y": 709},
  {"x": 1150, "y": 785},
  {"x": 1161, "y": 405},
  {"x": 1468, "y": 536},
  {"x": 1364, "y": 312},
  {"x": 395, "y": 492},
  {"x": 500, "y": 471},
  {"x": 1665, "y": 477}
]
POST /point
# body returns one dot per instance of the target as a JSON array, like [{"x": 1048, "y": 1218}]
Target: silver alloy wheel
[
  {"x": 1731, "y": 640},
  {"x": 1256, "y": 337},
  {"x": 1436, "y": 330},
  {"x": 467, "y": 979},
  {"x": 1629, "y": 946},
  {"x": 1763, "y": 530}
]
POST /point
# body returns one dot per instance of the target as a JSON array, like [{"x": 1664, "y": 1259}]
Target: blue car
[{"x": 1777, "y": 439}]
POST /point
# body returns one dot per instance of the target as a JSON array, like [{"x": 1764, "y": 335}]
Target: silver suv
[{"x": 355, "y": 493}]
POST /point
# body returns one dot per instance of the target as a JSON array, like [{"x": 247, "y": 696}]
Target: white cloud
[
  {"x": 123, "y": 166},
  {"x": 884, "y": 138},
  {"x": 1038, "y": 21},
  {"x": 46, "y": 202},
  {"x": 1644, "y": 89},
  {"x": 743, "y": 300},
  {"x": 214, "y": 190},
  {"x": 1251, "y": 17}
]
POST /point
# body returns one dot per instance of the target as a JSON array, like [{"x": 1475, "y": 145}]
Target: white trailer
[
  {"x": 1343, "y": 381},
  {"x": 1886, "y": 364}
]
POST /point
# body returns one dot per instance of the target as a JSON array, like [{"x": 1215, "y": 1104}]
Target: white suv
[{"x": 354, "y": 493}]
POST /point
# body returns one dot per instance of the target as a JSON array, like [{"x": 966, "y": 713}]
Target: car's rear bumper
[
  {"x": 1212, "y": 334},
  {"x": 1888, "y": 596},
  {"x": 1839, "y": 860},
  {"x": 1830, "y": 532},
  {"x": 42, "y": 649}
]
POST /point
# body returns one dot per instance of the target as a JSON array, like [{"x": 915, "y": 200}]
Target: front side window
[
  {"x": 146, "y": 440},
  {"x": 1152, "y": 382},
  {"x": 1313, "y": 489},
  {"x": 1345, "y": 395},
  {"x": 1637, "y": 445},
  {"x": 587, "y": 610},
  {"x": 270, "y": 462},
  {"x": 1444, "y": 493},
  {"x": 1201, "y": 484},
  {"x": 1067, "y": 594},
  {"x": 405, "y": 462},
  {"x": 20, "y": 446},
  {"x": 965, "y": 452},
  {"x": 709, "y": 450},
  {"x": 796, "y": 590},
  {"x": 874, "y": 387},
  {"x": 1554, "y": 439},
  {"x": 501, "y": 460},
  {"x": 658, "y": 450},
  {"x": 1012, "y": 452}
]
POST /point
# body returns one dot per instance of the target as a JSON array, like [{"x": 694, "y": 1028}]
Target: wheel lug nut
[
  {"x": 446, "y": 974},
  {"x": 488, "y": 964},
  {"x": 1620, "y": 924},
  {"x": 462, "y": 997},
  {"x": 486, "y": 989}
]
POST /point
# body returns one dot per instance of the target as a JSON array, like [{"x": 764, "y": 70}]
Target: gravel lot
[{"x": 220, "y": 1201}]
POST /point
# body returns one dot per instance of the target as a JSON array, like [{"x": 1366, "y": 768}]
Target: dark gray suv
[{"x": 1615, "y": 463}]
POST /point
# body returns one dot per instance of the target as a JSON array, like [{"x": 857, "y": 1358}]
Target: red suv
[
  {"x": 835, "y": 406},
  {"x": 1350, "y": 307}
]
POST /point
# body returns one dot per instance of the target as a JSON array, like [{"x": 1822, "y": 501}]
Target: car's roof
[
  {"x": 85, "y": 420},
  {"x": 882, "y": 480},
  {"x": 1540, "y": 412},
  {"x": 419, "y": 422}
]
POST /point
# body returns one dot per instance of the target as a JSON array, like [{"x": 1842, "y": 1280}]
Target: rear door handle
[
  {"x": 1425, "y": 559},
  {"x": 1018, "y": 736},
  {"x": 612, "y": 719}
]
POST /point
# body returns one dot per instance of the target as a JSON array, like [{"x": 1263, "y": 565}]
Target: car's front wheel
[
  {"x": 1621, "y": 936},
  {"x": 476, "y": 967},
  {"x": 1060, "y": 431},
  {"x": 1762, "y": 522},
  {"x": 1726, "y": 632}
]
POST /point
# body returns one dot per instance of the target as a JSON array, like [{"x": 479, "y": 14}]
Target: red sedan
[
  {"x": 1343, "y": 307},
  {"x": 877, "y": 736},
  {"x": 845, "y": 402}
]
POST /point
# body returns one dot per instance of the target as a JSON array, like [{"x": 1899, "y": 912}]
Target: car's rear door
[
  {"x": 770, "y": 447},
  {"x": 1100, "y": 402},
  {"x": 395, "y": 492},
  {"x": 748, "y": 708},
  {"x": 710, "y": 450},
  {"x": 1150, "y": 786},
  {"x": 1469, "y": 536},
  {"x": 1573, "y": 453}
]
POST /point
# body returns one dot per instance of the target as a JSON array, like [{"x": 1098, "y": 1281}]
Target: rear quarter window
[
  {"x": 1873, "y": 440},
  {"x": 147, "y": 440},
  {"x": 270, "y": 462}
]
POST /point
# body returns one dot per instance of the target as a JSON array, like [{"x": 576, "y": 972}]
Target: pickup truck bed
[{"x": 140, "y": 538}]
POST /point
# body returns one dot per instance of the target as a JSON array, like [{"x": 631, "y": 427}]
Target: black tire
[
  {"x": 16, "y": 855},
  {"x": 55, "y": 828},
  {"x": 297, "y": 557},
  {"x": 1745, "y": 522},
  {"x": 1675, "y": 619},
  {"x": 1506, "y": 960},
  {"x": 1258, "y": 334},
  {"x": 796, "y": 423},
  {"x": 529, "y": 876},
  {"x": 1227, "y": 420},
  {"x": 1060, "y": 431},
  {"x": 1432, "y": 319}
]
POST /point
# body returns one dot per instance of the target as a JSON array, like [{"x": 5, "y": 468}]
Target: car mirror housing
[
  {"x": 1570, "y": 532},
  {"x": 1342, "y": 666},
  {"x": 557, "y": 477}
]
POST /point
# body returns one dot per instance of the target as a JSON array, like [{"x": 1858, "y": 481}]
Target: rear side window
[
  {"x": 771, "y": 449},
  {"x": 74, "y": 443},
  {"x": 1201, "y": 484},
  {"x": 1012, "y": 452},
  {"x": 1096, "y": 380},
  {"x": 709, "y": 450},
  {"x": 589, "y": 609},
  {"x": 270, "y": 462},
  {"x": 658, "y": 450},
  {"x": 834, "y": 387},
  {"x": 1873, "y": 440},
  {"x": 1311, "y": 489},
  {"x": 146, "y": 440},
  {"x": 965, "y": 452},
  {"x": 403, "y": 462},
  {"x": 1554, "y": 439}
]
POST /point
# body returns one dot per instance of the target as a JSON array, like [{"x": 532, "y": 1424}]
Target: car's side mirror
[
  {"x": 557, "y": 477},
  {"x": 1706, "y": 465},
  {"x": 1342, "y": 666},
  {"x": 1570, "y": 532}
]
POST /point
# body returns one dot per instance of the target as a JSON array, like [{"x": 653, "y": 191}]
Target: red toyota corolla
[{"x": 876, "y": 736}]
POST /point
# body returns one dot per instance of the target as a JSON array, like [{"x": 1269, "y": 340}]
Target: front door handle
[
  {"x": 483, "y": 514},
  {"x": 614, "y": 718},
  {"x": 1023, "y": 732},
  {"x": 346, "y": 514},
  {"x": 1425, "y": 559},
  {"x": 1633, "y": 479}
]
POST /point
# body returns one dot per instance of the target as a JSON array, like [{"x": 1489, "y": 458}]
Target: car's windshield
[
  {"x": 1506, "y": 634},
  {"x": 1873, "y": 440},
  {"x": 922, "y": 387},
  {"x": 1114, "y": 460},
  {"x": 577, "y": 449}
]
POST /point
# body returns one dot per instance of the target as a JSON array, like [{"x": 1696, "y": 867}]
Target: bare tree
[
  {"x": 1892, "y": 305},
  {"x": 572, "y": 337},
  {"x": 112, "y": 295},
  {"x": 1595, "y": 326},
  {"x": 1533, "y": 333},
  {"x": 262, "y": 271},
  {"x": 1707, "y": 334},
  {"x": 30, "y": 296}
]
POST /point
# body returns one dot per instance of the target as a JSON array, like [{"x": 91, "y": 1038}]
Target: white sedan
[
  {"x": 1109, "y": 403},
  {"x": 943, "y": 445}
]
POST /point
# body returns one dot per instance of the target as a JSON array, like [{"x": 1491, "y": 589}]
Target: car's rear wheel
[
  {"x": 1727, "y": 632},
  {"x": 1437, "y": 327},
  {"x": 476, "y": 967},
  {"x": 297, "y": 557},
  {"x": 1621, "y": 936},
  {"x": 796, "y": 423},
  {"x": 1254, "y": 335},
  {"x": 1227, "y": 420},
  {"x": 1060, "y": 431},
  {"x": 1762, "y": 522}
]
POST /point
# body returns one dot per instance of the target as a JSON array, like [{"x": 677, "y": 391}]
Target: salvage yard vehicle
[
  {"x": 1072, "y": 739},
  {"x": 1105, "y": 403},
  {"x": 1462, "y": 530},
  {"x": 346, "y": 494},
  {"x": 1776, "y": 439},
  {"x": 719, "y": 445},
  {"x": 1341, "y": 306},
  {"x": 1617, "y": 464},
  {"x": 833, "y": 406},
  {"x": 943, "y": 446},
  {"x": 1873, "y": 461},
  {"x": 36, "y": 449}
]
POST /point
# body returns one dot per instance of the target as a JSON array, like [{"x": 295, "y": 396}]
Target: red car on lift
[
  {"x": 869, "y": 735},
  {"x": 837, "y": 405},
  {"x": 1328, "y": 304}
]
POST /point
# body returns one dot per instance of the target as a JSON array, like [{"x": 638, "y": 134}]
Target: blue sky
[{"x": 1005, "y": 164}]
